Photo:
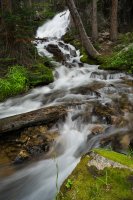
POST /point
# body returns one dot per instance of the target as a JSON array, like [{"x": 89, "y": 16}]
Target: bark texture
[
  {"x": 6, "y": 6},
  {"x": 94, "y": 20},
  {"x": 79, "y": 25},
  {"x": 43, "y": 116},
  {"x": 114, "y": 21}
]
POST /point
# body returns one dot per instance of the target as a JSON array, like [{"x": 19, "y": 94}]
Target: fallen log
[{"x": 43, "y": 116}]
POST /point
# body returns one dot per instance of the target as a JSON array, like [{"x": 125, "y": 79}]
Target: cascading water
[{"x": 72, "y": 79}]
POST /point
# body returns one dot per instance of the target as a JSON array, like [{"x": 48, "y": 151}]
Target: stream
[{"x": 81, "y": 86}]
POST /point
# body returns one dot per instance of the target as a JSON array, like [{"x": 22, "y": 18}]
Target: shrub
[{"x": 123, "y": 60}]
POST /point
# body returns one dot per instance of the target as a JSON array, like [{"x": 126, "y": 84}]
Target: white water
[
  {"x": 56, "y": 27},
  {"x": 38, "y": 181}
]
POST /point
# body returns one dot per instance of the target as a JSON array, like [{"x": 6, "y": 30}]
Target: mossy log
[{"x": 43, "y": 116}]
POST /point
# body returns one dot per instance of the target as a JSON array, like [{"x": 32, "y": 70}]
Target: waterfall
[
  {"x": 74, "y": 82},
  {"x": 56, "y": 27}
]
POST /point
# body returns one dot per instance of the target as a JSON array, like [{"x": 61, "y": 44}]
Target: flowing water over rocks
[{"x": 100, "y": 112}]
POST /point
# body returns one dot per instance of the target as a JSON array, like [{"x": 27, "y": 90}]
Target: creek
[{"x": 79, "y": 86}]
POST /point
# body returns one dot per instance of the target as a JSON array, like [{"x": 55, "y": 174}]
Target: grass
[
  {"x": 117, "y": 157},
  {"x": 91, "y": 184}
]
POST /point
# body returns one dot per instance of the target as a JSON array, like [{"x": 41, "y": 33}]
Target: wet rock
[
  {"x": 98, "y": 129},
  {"x": 67, "y": 56},
  {"x": 50, "y": 97},
  {"x": 21, "y": 157},
  {"x": 89, "y": 89},
  {"x": 55, "y": 50},
  {"x": 28, "y": 144},
  {"x": 73, "y": 53},
  {"x": 61, "y": 44},
  {"x": 104, "y": 112},
  {"x": 119, "y": 121},
  {"x": 121, "y": 143}
]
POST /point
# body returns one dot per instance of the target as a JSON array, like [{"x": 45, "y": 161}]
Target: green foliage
[
  {"x": 85, "y": 57},
  {"x": 69, "y": 184},
  {"x": 5, "y": 62},
  {"x": 20, "y": 24},
  {"x": 126, "y": 39},
  {"x": 14, "y": 83},
  {"x": 122, "y": 60},
  {"x": 48, "y": 62},
  {"x": 46, "y": 9},
  {"x": 130, "y": 152},
  {"x": 19, "y": 79}
]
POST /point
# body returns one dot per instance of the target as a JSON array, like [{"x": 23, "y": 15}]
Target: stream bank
[{"x": 100, "y": 175}]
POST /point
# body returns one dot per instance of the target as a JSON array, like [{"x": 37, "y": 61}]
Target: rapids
[{"x": 38, "y": 180}]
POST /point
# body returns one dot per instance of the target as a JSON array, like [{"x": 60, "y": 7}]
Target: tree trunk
[
  {"x": 29, "y": 3},
  {"x": 6, "y": 6},
  {"x": 114, "y": 21},
  {"x": 94, "y": 20},
  {"x": 79, "y": 25}
]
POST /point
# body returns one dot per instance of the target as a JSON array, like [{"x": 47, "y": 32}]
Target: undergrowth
[
  {"x": 19, "y": 79},
  {"x": 122, "y": 60},
  {"x": 16, "y": 81}
]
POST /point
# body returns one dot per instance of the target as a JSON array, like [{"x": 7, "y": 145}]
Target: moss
[
  {"x": 19, "y": 79},
  {"x": 86, "y": 58},
  {"x": 90, "y": 184},
  {"x": 5, "y": 62},
  {"x": 40, "y": 75},
  {"x": 117, "y": 157}
]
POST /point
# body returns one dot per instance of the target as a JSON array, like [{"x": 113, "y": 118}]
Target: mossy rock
[
  {"x": 41, "y": 75},
  {"x": 89, "y": 183}
]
